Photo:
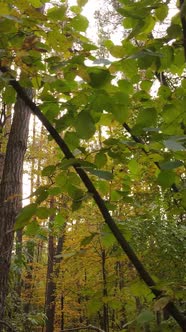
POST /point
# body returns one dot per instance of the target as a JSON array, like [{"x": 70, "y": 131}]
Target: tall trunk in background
[
  {"x": 105, "y": 324},
  {"x": 50, "y": 286},
  {"x": 62, "y": 322},
  {"x": 53, "y": 270},
  {"x": 11, "y": 190},
  {"x": 30, "y": 244}
]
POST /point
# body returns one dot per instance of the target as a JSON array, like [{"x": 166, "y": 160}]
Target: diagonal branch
[{"x": 172, "y": 309}]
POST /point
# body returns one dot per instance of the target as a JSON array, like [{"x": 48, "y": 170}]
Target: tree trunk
[
  {"x": 52, "y": 271},
  {"x": 30, "y": 246},
  {"x": 10, "y": 190},
  {"x": 19, "y": 238},
  {"x": 62, "y": 325},
  {"x": 50, "y": 297},
  {"x": 105, "y": 293}
]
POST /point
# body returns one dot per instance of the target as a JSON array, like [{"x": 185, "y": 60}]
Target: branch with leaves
[{"x": 171, "y": 307}]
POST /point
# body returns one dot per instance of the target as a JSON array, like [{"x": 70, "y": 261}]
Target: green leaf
[
  {"x": 99, "y": 77},
  {"x": 81, "y": 3},
  {"x": 120, "y": 108},
  {"x": 126, "y": 86},
  {"x": 43, "y": 212},
  {"x": 166, "y": 178},
  {"x": 75, "y": 9},
  {"x": 167, "y": 57},
  {"x": 101, "y": 174},
  {"x": 174, "y": 31},
  {"x": 146, "y": 85},
  {"x": 54, "y": 191},
  {"x": 100, "y": 159},
  {"x": 175, "y": 143},
  {"x": 170, "y": 164},
  {"x": 41, "y": 196},
  {"x": 80, "y": 23},
  {"x": 59, "y": 222},
  {"x": 146, "y": 118},
  {"x": 134, "y": 167},
  {"x": 71, "y": 139},
  {"x": 87, "y": 239},
  {"x": 25, "y": 215},
  {"x": 56, "y": 13},
  {"x": 48, "y": 170},
  {"x": 36, "y": 3},
  {"x": 75, "y": 193},
  {"x": 162, "y": 12},
  {"x": 61, "y": 179},
  {"x": 32, "y": 228},
  {"x": 138, "y": 288},
  {"x": 117, "y": 51},
  {"x": 144, "y": 317},
  {"x": 129, "y": 67},
  {"x": 108, "y": 239},
  {"x": 84, "y": 125},
  {"x": 9, "y": 95}
]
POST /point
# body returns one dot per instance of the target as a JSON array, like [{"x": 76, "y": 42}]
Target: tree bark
[
  {"x": 105, "y": 324},
  {"x": 50, "y": 287},
  {"x": 52, "y": 273},
  {"x": 10, "y": 190}
]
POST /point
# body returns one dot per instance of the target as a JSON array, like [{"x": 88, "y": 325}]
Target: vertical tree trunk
[
  {"x": 19, "y": 236},
  {"x": 11, "y": 189},
  {"x": 105, "y": 293},
  {"x": 52, "y": 272},
  {"x": 50, "y": 287},
  {"x": 62, "y": 325},
  {"x": 30, "y": 246}
]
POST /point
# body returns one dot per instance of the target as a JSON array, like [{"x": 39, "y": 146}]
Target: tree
[
  {"x": 139, "y": 171},
  {"x": 11, "y": 189}
]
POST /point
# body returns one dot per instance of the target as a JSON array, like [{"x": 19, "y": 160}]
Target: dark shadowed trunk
[
  {"x": 10, "y": 191},
  {"x": 52, "y": 274},
  {"x": 105, "y": 324}
]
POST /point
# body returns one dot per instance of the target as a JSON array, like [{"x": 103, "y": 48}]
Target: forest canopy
[{"x": 94, "y": 130}]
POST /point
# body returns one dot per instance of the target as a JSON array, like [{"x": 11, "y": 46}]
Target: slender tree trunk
[
  {"x": 105, "y": 293},
  {"x": 52, "y": 271},
  {"x": 10, "y": 191},
  {"x": 62, "y": 312},
  {"x": 50, "y": 297},
  {"x": 30, "y": 246}
]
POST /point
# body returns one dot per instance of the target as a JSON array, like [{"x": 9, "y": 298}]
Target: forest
[{"x": 92, "y": 165}]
